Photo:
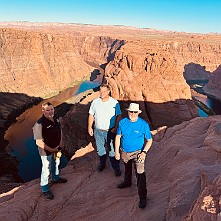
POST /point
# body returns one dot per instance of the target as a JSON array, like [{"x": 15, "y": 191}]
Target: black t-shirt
[{"x": 51, "y": 132}]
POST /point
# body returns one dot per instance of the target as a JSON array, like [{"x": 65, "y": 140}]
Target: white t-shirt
[{"x": 104, "y": 112}]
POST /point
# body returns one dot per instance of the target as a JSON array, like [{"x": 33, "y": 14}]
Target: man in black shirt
[{"x": 48, "y": 136}]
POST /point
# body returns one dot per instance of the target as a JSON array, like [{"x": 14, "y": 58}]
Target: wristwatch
[{"x": 143, "y": 151}]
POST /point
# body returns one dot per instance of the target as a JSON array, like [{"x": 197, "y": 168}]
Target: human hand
[
  {"x": 55, "y": 150},
  {"x": 114, "y": 130},
  {"x": 141, "y": 157},
  {"x": 90, "y": 131},
  {"x": 117, "y": 155}
]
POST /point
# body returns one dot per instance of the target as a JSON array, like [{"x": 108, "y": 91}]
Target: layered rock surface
[
  {"x": 181, "y": 167},
  {"x": 41, "y": 64},
  {"x": 213, "y": 88},
  {"x": 144, "y": 65}
]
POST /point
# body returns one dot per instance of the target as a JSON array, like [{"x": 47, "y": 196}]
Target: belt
[{"x": 103, "y": 130}]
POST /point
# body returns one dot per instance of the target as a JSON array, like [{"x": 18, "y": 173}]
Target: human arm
[
  {"x": 118, "y": 115},
  {"x": 37, "y": 132},
  {"x": 118, "y": 118},
  {"x": 61, "y": 131},
  {"x": 90, "y": 124},
  {"x": 61, "y": 141},
  {"x": 147, "y": 146},
  {"x": 40, "y": 143},
  {"x": 117, "y": 147}
]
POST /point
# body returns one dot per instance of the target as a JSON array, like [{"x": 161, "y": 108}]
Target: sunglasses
[{"x": 135, "y": 112}]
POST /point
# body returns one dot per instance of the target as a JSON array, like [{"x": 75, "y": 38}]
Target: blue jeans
[
  {"x": 49, "y": 165},
  {"x": 102, "y": 139}
]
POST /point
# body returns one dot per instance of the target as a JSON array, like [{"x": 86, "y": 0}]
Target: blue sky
[{"x": 176, "y": 15}]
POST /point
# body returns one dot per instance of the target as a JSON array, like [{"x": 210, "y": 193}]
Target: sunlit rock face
[
  {"x": 151, "y": 71},
  {"x": 142, "y": 65},
  {"x": 153, "y": 80},
  {"x": 41, "y": 63}
]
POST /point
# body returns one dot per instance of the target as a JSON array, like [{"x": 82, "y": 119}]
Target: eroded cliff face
[
  {"x": 151, "y": 72},
  {"x": 213, "y": 88},
  {"x": 151, "y": 78},
  {"x": 145, "y": 66},
  {"x": 39, "y": 64}
]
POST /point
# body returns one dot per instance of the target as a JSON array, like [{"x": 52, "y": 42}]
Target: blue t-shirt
[
  {"x": 133, "y": 134},
  {"x": 105, "y": 112}
]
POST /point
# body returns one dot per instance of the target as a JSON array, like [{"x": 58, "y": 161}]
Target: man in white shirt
[{"x": 105, "y": 112}]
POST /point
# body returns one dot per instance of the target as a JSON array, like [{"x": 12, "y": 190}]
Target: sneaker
[
  {"x": 123, "y": 185},
  {"x": 117, "y": 173},
  {"x": 48, "y": 195},
  {"x": 60, "y": 180},
  {"x": 142, "y": 203}
]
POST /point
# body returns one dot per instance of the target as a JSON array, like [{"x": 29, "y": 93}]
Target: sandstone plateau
[{"x": 151, "y": 67}]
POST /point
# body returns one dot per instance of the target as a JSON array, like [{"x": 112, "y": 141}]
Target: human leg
[
  {"x": 55, "y": 162},
  {"x": 141, "y": 183},
  {"x": 100, "y": 143},
  {"x": 55, "y": 173},
  {"x": 45, "y": 172},
  {"x": 110, "y": 139},
  {"x": 127, "y": 175}
]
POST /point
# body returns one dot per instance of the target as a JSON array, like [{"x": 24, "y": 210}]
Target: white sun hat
[{"x": 134, "y": 107}]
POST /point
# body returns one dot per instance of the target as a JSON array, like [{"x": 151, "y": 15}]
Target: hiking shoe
[
  {"x": 142, "y": 203},
  {"x": 60, "y": 180},
  {"x": 117, "y": 173},
  {"x": 48, "y": 195},
  {"x": 123, "y": 185}
]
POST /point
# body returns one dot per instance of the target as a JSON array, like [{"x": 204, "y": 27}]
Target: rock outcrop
[
  {"x": 196, "y": 72},
  {"x": 182, "y": 166},
  {"x": 213, "y": 88},
  {"x": 151, "y": 78}
]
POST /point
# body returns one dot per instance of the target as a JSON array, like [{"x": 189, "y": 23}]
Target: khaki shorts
[{"x": 134, "y": 156}]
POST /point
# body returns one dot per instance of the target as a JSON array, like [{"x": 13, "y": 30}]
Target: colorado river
[
  {"x": 211, "y": 103},
  {"x": 20, "y": 137}
]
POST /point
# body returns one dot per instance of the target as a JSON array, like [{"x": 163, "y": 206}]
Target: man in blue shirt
[
  {"x": 134, "y": 138},
  {"x": 105, "y": 113}
]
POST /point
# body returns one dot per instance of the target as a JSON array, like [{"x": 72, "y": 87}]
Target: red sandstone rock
[
  {"x": 143, "y": 75},
  {"x": 196, "y": 72},
  {"x": 144, "y": 65},
  {"x": 181, "y": 167},
  {"x": 213, "y": 88}
]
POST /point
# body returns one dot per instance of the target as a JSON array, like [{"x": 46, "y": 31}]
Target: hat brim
[{"x": 139, "y": 111}]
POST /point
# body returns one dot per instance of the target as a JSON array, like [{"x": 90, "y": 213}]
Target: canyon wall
[
  {"x": 151, "y": 72},
  {"x": 213, "y": 88},
  {"x": 41, "y": 64},
  {"x": 141, "y": 65}
]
